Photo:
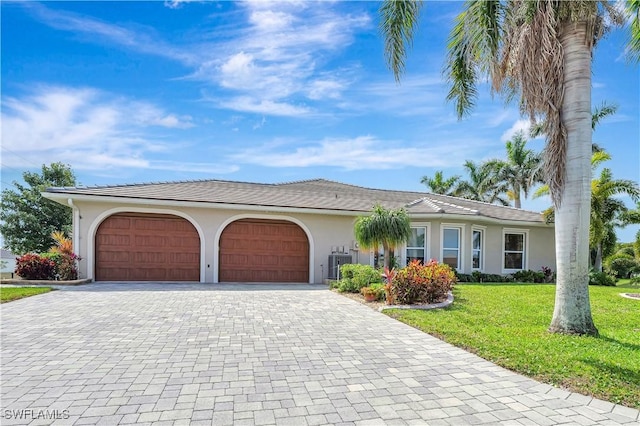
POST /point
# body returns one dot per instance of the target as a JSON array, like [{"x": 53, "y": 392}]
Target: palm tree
[
  {"x": 439, "y": 185},
  {"x": 539, "y": 52},
  {"x": 607, "y": 212},
  {"x": 383, "y": 227},
  {"x": 483, "y": 184},
  {"x": 520, "y": 171}
]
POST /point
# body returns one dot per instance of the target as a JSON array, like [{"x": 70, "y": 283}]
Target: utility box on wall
[{"x": 335, "y": 260}]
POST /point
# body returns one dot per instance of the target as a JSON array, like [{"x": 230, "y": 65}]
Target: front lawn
[
  {"x": 507, "y": 324},
  {"x": 7, "y": 294}
]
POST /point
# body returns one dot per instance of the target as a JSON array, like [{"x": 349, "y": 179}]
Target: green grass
[
  {"x": 507, "y": 324},
  {"x": 7, "y": 294}
]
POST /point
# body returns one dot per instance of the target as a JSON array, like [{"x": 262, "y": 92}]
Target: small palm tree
[
  {"x": 383, "y": 227},
  {"x": 607, "y": 212},
  {"x": 520, "y": 172},
  {"x": 483, "y": 184},
  {"x": 439, "y": 185}
]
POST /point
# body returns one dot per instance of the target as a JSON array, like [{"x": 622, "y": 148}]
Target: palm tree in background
[
  {"x": 607, "y": 212},
  {"x": 539, "y": 52},
  {"x": 383, "y": 227},
  {"x": 484, "y": 184},
  {"x": 521, "y": 169},
  {"x": 439, "y": 185}
]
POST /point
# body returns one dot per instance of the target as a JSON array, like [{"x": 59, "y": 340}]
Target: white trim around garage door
[
  {"x": 216, "y": 242},
  {"x": 91, "y": 244}
]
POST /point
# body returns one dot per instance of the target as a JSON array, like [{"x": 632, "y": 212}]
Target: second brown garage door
[
  {"x": 254, "y": 250},
  {"x": 147, "y": 247}
]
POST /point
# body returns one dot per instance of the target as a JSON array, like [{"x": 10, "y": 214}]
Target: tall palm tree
[
  {"x": 607, "y": 212},
  {"x": 520, "y": 171},
  {"x": 484, "y": 184},
  {"x": 439, "y": 185},
  {"x": 539, "y": 52},
  {"x": 383, "y": 227}
]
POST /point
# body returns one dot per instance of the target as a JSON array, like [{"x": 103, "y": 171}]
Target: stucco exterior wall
[{"x": 324, "y": 232}]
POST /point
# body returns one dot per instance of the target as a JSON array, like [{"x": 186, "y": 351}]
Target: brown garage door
[
  {"x": 147, "y": 247},
  {"x": 253, "y": 250}
]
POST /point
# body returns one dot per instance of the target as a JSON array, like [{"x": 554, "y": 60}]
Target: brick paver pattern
[{"x": 173, "y": 354}]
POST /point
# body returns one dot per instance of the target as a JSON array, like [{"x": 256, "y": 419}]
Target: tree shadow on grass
[
  {"x": 625, "y": 374},
  {"x": 632, "y": 346}
]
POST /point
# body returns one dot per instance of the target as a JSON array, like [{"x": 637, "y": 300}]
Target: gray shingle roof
[{"x": 309, "y": 194}]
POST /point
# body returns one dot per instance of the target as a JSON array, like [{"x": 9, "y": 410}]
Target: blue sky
[{"x": 257, "y": 91}]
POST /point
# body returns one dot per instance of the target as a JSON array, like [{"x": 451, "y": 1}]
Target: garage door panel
[
  {"x": 147, "y": 247},
  {"x": 253, "y": 250}
]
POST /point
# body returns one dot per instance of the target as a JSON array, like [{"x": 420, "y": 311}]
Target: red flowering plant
[
  {"x": 423, "y": 284},
  {"x": 32, "y": 266},
  {"x": 389, "y": 275}
]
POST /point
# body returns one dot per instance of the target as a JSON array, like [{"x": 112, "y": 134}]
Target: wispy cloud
[
  {"x": 521, "y": 125},
  {"x": 359, "y": 153},
  {"x": 276, "y": 57},
  {"x": 89, "y": 129}
]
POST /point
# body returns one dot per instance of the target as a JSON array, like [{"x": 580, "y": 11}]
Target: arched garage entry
[
  {"x": 147, "y": 247},
  {"x": 263, "y": 250}
]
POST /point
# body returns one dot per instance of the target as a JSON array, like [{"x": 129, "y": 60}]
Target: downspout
[{"x": 75, "y": 224}]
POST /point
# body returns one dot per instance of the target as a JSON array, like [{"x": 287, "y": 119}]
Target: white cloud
[
  {"x": 275, "y": 57},
  {"x": 265, "y": 107},
  {"x": 520, "y": 125},
  {"x": 359, "y": 153},
  {"x": 88, "y": 129}
]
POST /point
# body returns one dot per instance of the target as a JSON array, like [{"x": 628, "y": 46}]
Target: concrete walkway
[{"x": 253, "y": 355}]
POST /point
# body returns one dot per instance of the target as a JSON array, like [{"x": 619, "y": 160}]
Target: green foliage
[
  {"x": 529, "y": 276},
  {"x": 422, "y": 284},
  {"x": 7, "y": 294},
  {"x": 439, "y": 185},
  {"x": 601, "y": 278},
  {"x": 354, "y": 277},
  {"x": 481, "y": 277},
  {"x": 621, "y": 265},
  {"x": 66, "y": 265},
  {"x": 383, "y": 227},
  {"x": 507, "y": 325},
  {"x": 27, "y": 219}
]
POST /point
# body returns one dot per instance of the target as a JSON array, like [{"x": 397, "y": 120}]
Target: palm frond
[
  {"x": 399, "y": 21},
  {"x": 602, "y": 112},
  {"x": 633, "y": 46}
]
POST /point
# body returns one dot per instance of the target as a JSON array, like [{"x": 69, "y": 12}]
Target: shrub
[
  {"x": 622, "y": 265},
  {"x": 420, "y": 284},
  {"x": 354, "y": 276},
  {"x": 35, "y": 267},
  {"x": 66, "y": 265},
  {"x": 529, "y": 276},
  {"x": 601, "y": 278},
  {"x": 549, "y": 275}
]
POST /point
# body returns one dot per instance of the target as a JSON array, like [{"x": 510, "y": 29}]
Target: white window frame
[
  {"x": 525, "y": 257},
  {"x": 483, "y": 233},
  {"x": 427, "y": 242},
  {"x": 461, "y": 245}
]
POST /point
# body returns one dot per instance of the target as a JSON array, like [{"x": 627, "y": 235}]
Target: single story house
[
  {"x": 7, "y": 263},
  {"x": 222, "y": 231}
]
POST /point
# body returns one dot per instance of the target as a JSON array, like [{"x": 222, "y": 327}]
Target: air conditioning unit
[{"x": 335, "y": 260}]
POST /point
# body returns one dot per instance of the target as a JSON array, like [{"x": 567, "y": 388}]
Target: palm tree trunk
[
  {"x": 597, "y": 264},
  {"x": 572, "y": 313}
]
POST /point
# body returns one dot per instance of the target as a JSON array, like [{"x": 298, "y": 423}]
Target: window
[
  {"x": 477, "y": 242},
  {"x": 451, "y": 247},
  {"x": 417, "y": 245},
  {"x": 515, "y": 250}
]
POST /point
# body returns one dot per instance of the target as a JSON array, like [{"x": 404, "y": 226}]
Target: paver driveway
[{"x": 200, "y": 354}]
